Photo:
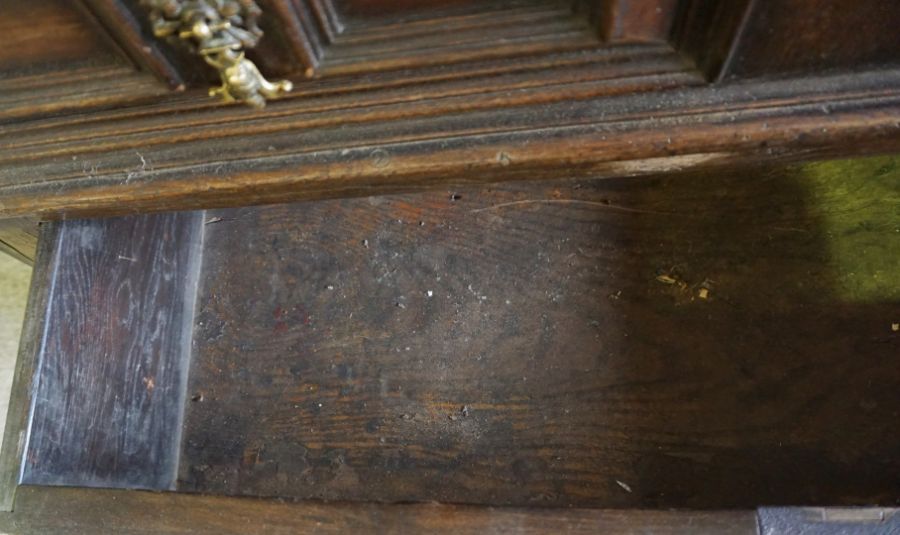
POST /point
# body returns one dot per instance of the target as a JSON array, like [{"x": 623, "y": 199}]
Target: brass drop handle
[{"x": 220, "y": 31}]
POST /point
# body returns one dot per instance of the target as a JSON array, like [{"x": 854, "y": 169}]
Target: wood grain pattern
[
  {"x": 707, "y": 31},
  {"x": 177, "y": 157},
  {"x": 52, "y": 511},
  {"x": 76, "y": 90},
  {"x": 462, "y": 32},
  {"x": 370, "y": 8},
  {"x": 291, "y": 26},
  {"x": 40, "y": 35},
  {"x": 808, "y": 36},
  {"x": 109, "y": 384},
  {"x": 127, "y": 24},
  {"x": 617, "y": 343}
]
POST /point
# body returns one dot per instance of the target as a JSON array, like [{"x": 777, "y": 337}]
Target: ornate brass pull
[{"x": 220, "y": 31}]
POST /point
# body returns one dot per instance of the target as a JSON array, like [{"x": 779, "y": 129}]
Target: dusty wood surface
[
  {"x": 111, "y": 365},
  {"x": 48, "y": 511},
  {"x": 433, "y": 95},
  {"x": 589, "y": 343},
  {"x": 120, "y": 162}
]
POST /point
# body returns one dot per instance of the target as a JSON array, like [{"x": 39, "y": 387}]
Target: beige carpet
[{"x": 14, "y": 277}]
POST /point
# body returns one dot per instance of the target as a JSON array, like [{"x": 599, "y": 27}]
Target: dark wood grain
[
  {"x": 195, "y": 155},
  {"x": 291, "y": 26},
  {"x": 636, "y": 20},
  {"x": 704, "y": 340},
  {"x": 41, "y": 35},
  {"x": 52, "y": 511},
  {"x": 84, "y": 90},
  {"x": 793, "y": 36},
  {"x": 458, "y": 33},
  {"x": 109, "y": 383},
  {"x": 127, "y": 23},
  {"x": 707, "y": 31},
  {"x": 14, "y": 434},
  {"x": 381, "y": 8}
]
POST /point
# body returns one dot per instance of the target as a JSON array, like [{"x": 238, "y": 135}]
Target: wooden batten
[
  {"x": 179, "y": 157},
  {"x": 111, "y": 366}
]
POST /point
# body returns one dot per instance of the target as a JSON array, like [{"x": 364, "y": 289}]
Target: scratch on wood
[{"x": 573, "y": 201}]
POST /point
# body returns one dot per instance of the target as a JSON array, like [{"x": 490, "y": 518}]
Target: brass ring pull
[{"x": 220, "y": 31}]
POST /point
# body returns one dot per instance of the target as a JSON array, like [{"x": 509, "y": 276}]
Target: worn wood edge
[
  {"x": 86, "y": 95},
  {"x": 330, "y": 124},
  {"x": 327, "y": 18},
  {"x": 301, "y": 33},
  {"x": 23, "y": 378},
  {"x": 191, "y": 289},
  {"x": 709, "y": 137},
  {"x": 48, "y": 510},
  {"x": 708, "y": 31},
  {"x": 721, "y": 70},
  {"x": 15, "y": 253},
  {"x": 828, "y": 520},
  {"x": 393, "y": 119}
]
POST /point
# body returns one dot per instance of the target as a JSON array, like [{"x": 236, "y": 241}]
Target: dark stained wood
[
  {"x": 127, "y": 23},
  {"x": 41, "y": 35},
  {"x": 707, "y": 340},
  {"x": 18, "y": 238},
  {"x": 26, "y": 364},
  {"x": 380, "y": 8},
  {"x": 293, "y": 26},
  {"x": 329, "y": 20},
  {"x": 49, "y": 511},
  {"x": 707, "y": 30},
  {"x": 194, "y": 154},
  {"x": 792, "y": 36},
  {"x": 77, "y": 90},
  {"x": 472, "y": 31},
  {"x": 636, "y": 20},
  {"x": 109, "y": 383}
]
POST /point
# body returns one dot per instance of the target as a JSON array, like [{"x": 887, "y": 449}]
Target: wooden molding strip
[
  {"x": 66, "y": 510},
  {"x": 47, "y": 511},
  {"x": 157, "y": 159},
  {"x": 14, "y": 435},
  {"x": 145, "y": 51}
]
